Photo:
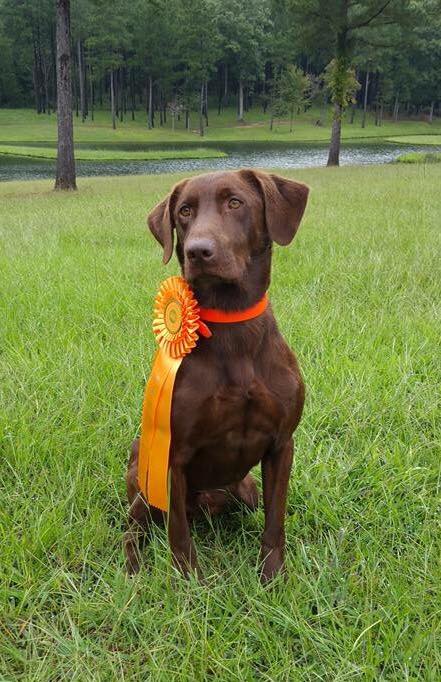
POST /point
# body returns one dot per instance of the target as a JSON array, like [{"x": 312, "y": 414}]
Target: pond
[{"x": 243, "y": 155}]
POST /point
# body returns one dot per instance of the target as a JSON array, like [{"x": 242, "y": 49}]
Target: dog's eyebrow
[
  {"x": 227, "y": 191},
  {"x": 191, "y": 199}
]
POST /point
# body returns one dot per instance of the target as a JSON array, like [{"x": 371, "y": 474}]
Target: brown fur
[{"x": 239, "y": 395}]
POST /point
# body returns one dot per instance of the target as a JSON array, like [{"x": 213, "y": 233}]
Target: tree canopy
[{"x": 173, "y": 55}]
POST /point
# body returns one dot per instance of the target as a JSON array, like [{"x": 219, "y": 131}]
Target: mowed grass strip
[
  {"x": 24, "y": 125},
  {"x": 417, "y": 139},
  {"x": 114, "y": 155},
  {"x": 357, "y": 295}
]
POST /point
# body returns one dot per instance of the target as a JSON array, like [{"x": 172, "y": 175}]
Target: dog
[{"x": 239, "y": 395}]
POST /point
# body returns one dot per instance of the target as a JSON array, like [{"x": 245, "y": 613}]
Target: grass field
[
  {"x": 358, "y": 297},
  {"x": 112, "y": 155},
  {"x": 26, "y": 127},
  {"x": 418, "y": 139}
]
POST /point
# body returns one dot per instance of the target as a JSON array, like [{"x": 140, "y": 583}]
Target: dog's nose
[{"x": 199, "y": 249}]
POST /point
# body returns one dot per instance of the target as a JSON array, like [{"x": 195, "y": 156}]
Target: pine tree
[{"x": 65, "y": 178}]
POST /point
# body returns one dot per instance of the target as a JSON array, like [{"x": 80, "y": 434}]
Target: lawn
[
  {"x": 418, "y": 139},
  {"x": 357, "y": 295},
  {"x": 24, "y": 126},
  {"x": 112, "y": 155}
]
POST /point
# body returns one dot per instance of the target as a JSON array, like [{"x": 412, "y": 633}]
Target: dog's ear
[
  {"x": 161, "y": 221},
  {"x": 284, "y": 201}
]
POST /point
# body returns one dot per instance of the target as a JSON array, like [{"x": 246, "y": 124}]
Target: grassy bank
[
  {"x": 113, "y": 155},
  {"x": 420, "y": 157},
  {"x": 25, "y": 126},
  {"x": 357, "y": 296}
]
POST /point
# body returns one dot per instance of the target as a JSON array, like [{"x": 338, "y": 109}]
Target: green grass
[
  {"x": 420, "y": 157},
  {"x": 25, "y": 127},
  {"x": 357, "y": 296},
  {"x": 113, "y": 155},
  {"x": 417, "y": 139}
]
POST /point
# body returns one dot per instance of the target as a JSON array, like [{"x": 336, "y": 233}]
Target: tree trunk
[
  {"x": 132, "y": 93},
  {"x": 240, "y": 103},
  {"x": 264, "y": 91},
  {"x": 92, "y": 94},
  {"x": 124, "y": 90},
  {"x": 206, "y": 103},
  {"x": 121, "y": 94},
  {"x": 380, "y": 119},
  {"x": 432, "y": 107},
  {"x": 75, "y": 88},
  {"x": 225, "y": 85},
  {"x": 201, "y": 111},
  {"x": 36, "y": 82},
  {"x": 65, "y": 178},
  {"x": 86, "y": 83},
  {"x": 324, "y": 110},
  {"x": 334, "y": 148},
  {"x": 112, "y": 97},
  {"x": 366, "y": 87},
  {"x": 342, "y": 64},
  {"x": 353, "y": 110},
  {"x": 116, "y": 92},
  {"x": 81, "y": 80},
  {"x": 46, "y": 86},
  {"x": 396, "y": 108},
  {"x": 150, "y": 105},
  {"x": 53, "y": 74},
  {"x": 220, "y": 93},
  {"x": 37, "y": 72},
  {"x": 291, "y": 116}
]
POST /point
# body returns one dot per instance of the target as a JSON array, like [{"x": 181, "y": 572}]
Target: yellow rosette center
[{"x": 173, "y": 316}]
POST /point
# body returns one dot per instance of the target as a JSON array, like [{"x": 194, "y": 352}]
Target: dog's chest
[{"x": 231, "y": 420}]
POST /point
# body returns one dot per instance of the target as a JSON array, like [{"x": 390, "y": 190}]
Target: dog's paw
[
  {"x": 131, "y": 552},
  {"x": 273, "y": 564}
]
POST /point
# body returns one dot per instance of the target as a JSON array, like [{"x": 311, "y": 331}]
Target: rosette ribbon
[{"x": 177, "y": 326}]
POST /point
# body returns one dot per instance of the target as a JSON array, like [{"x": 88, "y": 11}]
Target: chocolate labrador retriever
[{"x": 238, "y": 395}]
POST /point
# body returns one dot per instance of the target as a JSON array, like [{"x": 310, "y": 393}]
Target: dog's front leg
[
  {"x": 139, "y": 514},
  {"x": 181, "y": 544},
  {"x": 276, "y": 468}
]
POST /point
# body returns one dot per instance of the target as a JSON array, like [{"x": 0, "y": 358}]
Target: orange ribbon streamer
[{"x": 177, "y": 326}]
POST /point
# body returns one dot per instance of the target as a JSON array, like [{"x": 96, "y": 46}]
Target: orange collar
[{"x": 215, "y": 315}]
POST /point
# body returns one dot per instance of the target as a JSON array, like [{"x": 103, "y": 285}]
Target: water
[{"x": 239, "y": 156}]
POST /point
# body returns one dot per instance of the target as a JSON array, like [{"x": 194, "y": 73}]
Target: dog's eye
[
  {"x": 185, "y": 211},
  {"x": 234, "y": 203}
]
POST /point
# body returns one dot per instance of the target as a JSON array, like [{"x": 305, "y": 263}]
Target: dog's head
[{"x": 225, "y": 224}]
